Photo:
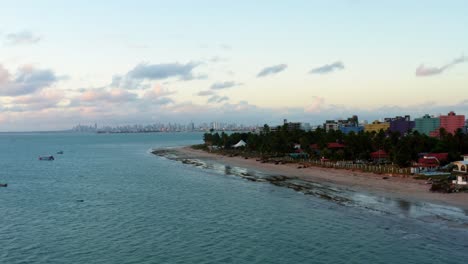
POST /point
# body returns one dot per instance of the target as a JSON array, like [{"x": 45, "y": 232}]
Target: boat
[
  {"x": 3, "y": 184},
  {"x": 60, "y": 152},
  {"x": 46, "y": 158}
]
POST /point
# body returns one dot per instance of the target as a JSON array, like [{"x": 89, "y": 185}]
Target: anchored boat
[{"x": 46, "y": 158}]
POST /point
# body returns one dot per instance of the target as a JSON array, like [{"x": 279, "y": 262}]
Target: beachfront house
[
  {"x": 461, "y": 171},
  {"x": 428, "y": 162},
  {"x": 379, "y": 156},
  {"x": 333, "y": 150}
]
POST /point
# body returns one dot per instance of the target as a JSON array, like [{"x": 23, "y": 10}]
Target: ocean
[{"x": 107, "y": 199}]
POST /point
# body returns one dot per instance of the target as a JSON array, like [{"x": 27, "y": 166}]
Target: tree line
[{"x": 402, "y": 149}]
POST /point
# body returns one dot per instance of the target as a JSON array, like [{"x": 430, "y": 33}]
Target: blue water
[{"x": 108, "y": 200}]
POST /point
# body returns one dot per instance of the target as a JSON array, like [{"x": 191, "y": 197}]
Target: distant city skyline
[
  {"x": 163, "y": 127},
  {"x": 127, "y": 62}
]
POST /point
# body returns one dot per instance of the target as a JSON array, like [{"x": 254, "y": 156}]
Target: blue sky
[{"x": 120, "y": 62}]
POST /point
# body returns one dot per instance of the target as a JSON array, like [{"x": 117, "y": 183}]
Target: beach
[{"x": 396, "y": 187}]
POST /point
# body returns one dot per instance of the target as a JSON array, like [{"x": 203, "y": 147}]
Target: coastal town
[
  {"x": 430, "y": 148},
  {"x": 234, "y": 132}
]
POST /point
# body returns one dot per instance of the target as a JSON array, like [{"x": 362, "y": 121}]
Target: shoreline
[{"x": 395, "y": 187}]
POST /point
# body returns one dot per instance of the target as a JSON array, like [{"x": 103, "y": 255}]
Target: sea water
[{"x": 107, "y": 199}]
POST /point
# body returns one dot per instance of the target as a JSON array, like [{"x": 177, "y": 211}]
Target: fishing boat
[{"x": 46, "y": 158}]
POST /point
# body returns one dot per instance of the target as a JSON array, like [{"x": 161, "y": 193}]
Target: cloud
[
  {"x": 158, "y": 91},
  {"x": 217, "y": 59},
  {"x": 27, "y": 80},
  {"x": 4, "y": 75},
  {"x": 162, "y": 101},
  {"x": 205, "y": 93},
  {"x": 223, "y": 85},
  {"x": 217, "y": 99},
  {"x": 316, "y": 105},
  {"x": 328, "y": 68},
  {"x": 242, "y": 106},
  {"x": 225, "y": 46},
  {"x": 157, "y": 95},
  {"x": 162, "y": 71},
  {"x": 21, "y": 38},
  {"x": 136, "y": 77},
  {"x": 428, "y": 71},
  {"x": 45, "y": 99},
  {"x": 272, "y": 70},
  {"x": 423, "y": 71},
  {"x": 27, "y": 113},
  {"x": 194, "y": 77},
  {"x": 101, "y": 95}
]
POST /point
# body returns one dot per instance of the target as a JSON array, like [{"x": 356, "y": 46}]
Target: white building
[{"x": 461, "y": 170}]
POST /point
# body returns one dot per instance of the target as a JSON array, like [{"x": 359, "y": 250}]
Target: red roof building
[
  {"x": 314, "y": 146},
  {"x": 335, "y": 145},
  {"x": 331, "y": 145},
  {"x": 431, "y": 159},
  {"x": 380, "y": 154}
]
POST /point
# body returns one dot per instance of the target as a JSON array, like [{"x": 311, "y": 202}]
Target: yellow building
[{"x": 377, "y": 126}]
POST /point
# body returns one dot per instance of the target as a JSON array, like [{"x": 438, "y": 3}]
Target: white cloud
[
  {"x": 22, "y": 38},
  {"x": 423, "y": 71}
]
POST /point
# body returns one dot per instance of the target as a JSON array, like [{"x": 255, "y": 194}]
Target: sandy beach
[{"x": 394, "y": 187}]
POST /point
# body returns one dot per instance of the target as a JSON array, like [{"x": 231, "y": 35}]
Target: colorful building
[
  {"x": 452, "y": 122},
  {"x": 376, "y": 126},
  {"x": 337, "y": 124},
  {"x": 349, "y": 129},
  {"x": 427, "y": 124},
  {"x": 400, "y": 124},
  {"x": 461, "y": 171}
]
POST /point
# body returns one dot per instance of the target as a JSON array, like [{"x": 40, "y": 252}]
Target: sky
[{"x": 64, "y": 63}]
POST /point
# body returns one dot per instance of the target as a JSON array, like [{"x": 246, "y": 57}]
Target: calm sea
[{"x": 108, "y": 200}]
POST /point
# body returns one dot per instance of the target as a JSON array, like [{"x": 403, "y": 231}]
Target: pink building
[{"x": 452, "y": 122}]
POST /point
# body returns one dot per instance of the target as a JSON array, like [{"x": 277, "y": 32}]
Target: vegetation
[
  {"x": 200, "y": 147},
  {"x": 402, "y": 149}
]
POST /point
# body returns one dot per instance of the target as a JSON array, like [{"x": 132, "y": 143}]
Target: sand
[{"x": 397, "y": 187}]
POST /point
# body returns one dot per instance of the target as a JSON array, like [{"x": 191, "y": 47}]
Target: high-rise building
[
  {"x": 400, "y": 124},
  {"x": 349, "y": 129},
  {"x": 427, "y": 125},
  {"x": 376, "y": 126},
  {"x": 294, "y": 126},
  {"x": 345, "y": 125},
  {"x": 306, "y": 126},
  {"x": 452, "y": 122},
  {"x": 331, "y": 125}
]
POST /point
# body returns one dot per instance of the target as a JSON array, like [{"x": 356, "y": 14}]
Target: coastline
[{"x": 395, "y": 187}]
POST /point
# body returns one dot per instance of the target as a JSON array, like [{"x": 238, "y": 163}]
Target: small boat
[
  {"x": 60, "y": 152},
  {"x": 3, "y": 184},
  {"x": 46, "y": 158}
]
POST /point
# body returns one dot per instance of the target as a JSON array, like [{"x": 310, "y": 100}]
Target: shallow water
[{"x": 107, "y": 199}]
